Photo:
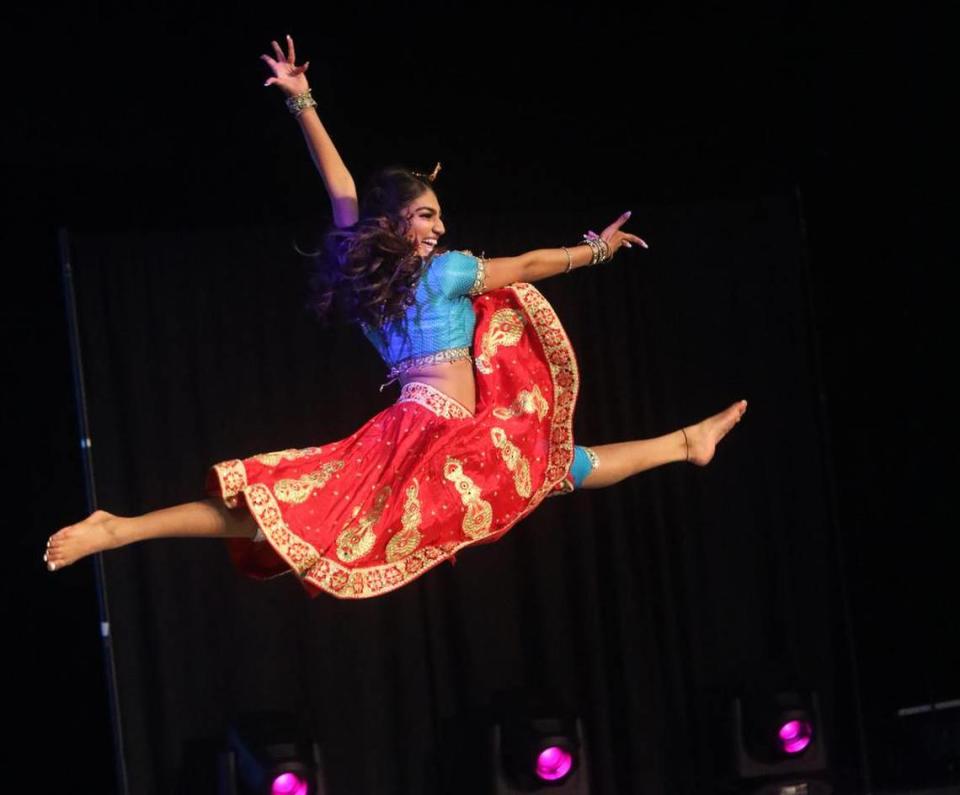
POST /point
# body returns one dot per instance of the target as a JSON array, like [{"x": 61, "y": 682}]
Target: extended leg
[
  {"x": 694, "y": 443},
  {"x": 208, "y": 518}
]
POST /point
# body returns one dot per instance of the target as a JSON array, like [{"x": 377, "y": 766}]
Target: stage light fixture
[
  {"x": 779, "y": 747},
  {"x": 534, "y": 752},
  {"x": 269, "y": 753}
]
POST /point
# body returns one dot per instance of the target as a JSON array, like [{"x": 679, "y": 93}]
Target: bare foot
[
  {"x": 703, "y": 437},
  {"x": 94, "y": 534}
]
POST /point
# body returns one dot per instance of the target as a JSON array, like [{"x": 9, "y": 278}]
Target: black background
[{"x": 136, "y": 121}]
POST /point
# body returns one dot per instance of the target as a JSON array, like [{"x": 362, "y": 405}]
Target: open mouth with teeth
[{"x": 428, "y": 244}]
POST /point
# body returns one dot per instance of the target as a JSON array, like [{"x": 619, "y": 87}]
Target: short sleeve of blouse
[{"x": 462, "y": 273}]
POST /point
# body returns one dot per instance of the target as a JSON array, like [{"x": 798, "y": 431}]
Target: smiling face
[{"x": 425, "y": 226}]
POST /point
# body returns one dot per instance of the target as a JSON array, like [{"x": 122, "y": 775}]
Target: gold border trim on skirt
[{"x": 432, "y": 399}]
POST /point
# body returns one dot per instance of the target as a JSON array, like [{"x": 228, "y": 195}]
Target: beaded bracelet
[
  {"x": 595, "y": 254},
  {"x": 600, "y": 249},
  {"x": 298, "y": 103},
  {"x": 606, "y": 256}
]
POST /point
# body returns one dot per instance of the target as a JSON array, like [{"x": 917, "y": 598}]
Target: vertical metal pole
[{"x": 90, "y": 493}]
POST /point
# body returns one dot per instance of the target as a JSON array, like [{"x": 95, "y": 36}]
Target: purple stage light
[
  {"x": 288, "y": 784},
  {"x": 795, "y": 736},
  {"x": 553, "y": 763}
]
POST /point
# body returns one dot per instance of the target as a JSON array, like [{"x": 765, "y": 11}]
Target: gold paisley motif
[
  {"x": 526, "y": 402},
  {"x": 272, "y": 459},
  {"x": 296, "y": 490},
  {"x": 505, "y": 328},
  {"x": 357, "y": 537},
  {"x": 514, "y": 460},
  {"x": 479, "y": 514},
  {"x": 408, "y": 539}
]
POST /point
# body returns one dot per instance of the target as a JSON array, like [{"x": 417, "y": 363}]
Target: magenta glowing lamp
[
  {"x": 795, "y": 736},
  {"x": 288, "y": 784},
  {"x": 553, "y": 763}
]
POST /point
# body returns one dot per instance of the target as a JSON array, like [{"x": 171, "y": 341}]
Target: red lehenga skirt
[{"x": 423, "y": 478}]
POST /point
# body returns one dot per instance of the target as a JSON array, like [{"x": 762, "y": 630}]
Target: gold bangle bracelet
[{"x": 298, "y": 103}]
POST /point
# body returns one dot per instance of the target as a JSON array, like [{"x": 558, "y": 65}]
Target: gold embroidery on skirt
[
  {"x": 357, "y": 539},
  {"x": 514, "y": 460},
  {"x": 506, "y": 328},
  {"x": 564, "y": 375},
  {"x": 297, "y": 490},
  {"x": 322, "y": 571},
  {"x": 479, "y": 514},
  {"x": 233, "y": 480},
  {"x": 408, "y": 539},
  {"x": 526, "y": 402},
  {"x": 272, "y": 459},
  {"x": 434, "y": 400},
  {"x": 563, "y": 487}
]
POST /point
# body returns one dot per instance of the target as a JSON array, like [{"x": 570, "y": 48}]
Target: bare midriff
[{"x": 454, "y": 379}]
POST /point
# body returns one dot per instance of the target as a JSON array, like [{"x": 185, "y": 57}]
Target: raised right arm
[
  {"x": 336, "y": 178},
  {"x": 291, "y": 79}
]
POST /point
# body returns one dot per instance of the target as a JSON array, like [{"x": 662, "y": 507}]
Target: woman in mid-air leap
[{"x": 482, "y": 430}]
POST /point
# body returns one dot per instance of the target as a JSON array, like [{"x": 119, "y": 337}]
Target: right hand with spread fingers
[{"x": 289, "y": 77}]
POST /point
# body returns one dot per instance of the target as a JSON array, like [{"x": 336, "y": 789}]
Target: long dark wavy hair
[{"x": 368, "y": 272}]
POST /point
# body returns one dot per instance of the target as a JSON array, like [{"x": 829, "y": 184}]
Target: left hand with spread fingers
[{"x": 616, "y": 239}]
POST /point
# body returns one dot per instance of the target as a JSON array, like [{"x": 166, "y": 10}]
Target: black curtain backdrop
[
  {"x": 642, "y": 605},
  {"x": 123, "y": 118}
]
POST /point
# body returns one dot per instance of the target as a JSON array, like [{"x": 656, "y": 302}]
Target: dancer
[{"x": 481, "y": 433}]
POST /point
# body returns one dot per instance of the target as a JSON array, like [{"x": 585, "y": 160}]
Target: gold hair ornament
[{"x": 431, "y": 177}]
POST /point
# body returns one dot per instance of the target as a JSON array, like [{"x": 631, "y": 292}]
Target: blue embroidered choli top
[{"x": 439, "y": 326}]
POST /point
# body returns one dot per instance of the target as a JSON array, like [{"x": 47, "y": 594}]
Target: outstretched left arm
[
  {"x": 534, "y": 265},
  {"x": 545, "y": 262}
]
